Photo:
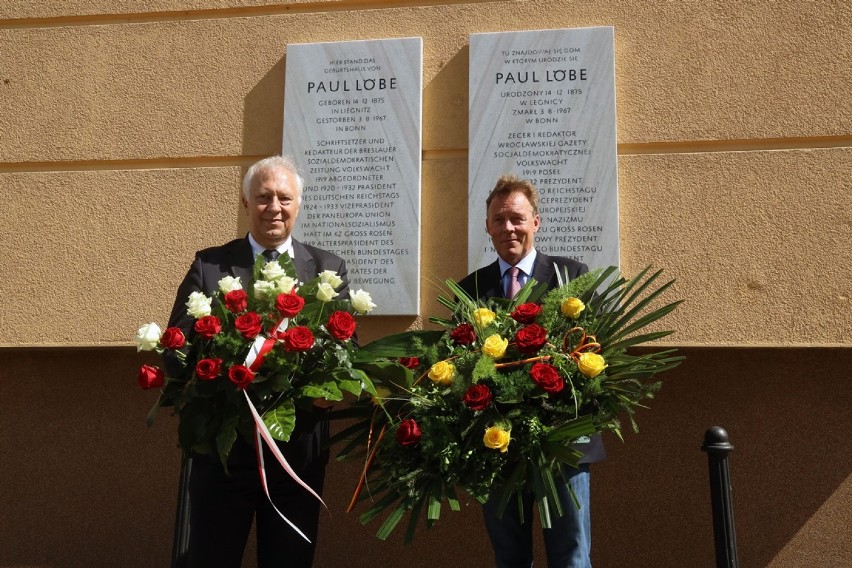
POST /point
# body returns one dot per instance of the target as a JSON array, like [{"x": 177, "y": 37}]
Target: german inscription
[{"x": 352, "y": 121}]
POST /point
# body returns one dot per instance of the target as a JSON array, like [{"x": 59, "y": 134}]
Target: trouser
[
  {"x": 223, "y": 505},
  {"x": 567, "y": 543}
]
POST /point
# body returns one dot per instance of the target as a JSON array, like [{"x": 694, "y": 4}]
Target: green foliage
[
  {"x": 543, "y": 423},
  {"x": 406, "y": 344},
  {"x": 281, "y": 420},
  {"x": 213, "y": 410}
]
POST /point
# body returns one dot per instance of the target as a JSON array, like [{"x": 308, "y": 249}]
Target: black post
[
  {"x": 180, "y": 544},
  {"x": 718, "y": 447}
]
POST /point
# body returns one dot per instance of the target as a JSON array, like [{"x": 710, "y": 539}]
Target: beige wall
[
  {"x": 85, "y": 484},
  {"x": 125, "y": 127},
  {"x": 733, "y": 123}
]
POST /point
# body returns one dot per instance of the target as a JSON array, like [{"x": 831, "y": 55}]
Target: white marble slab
[
  {"x": 542, "y": 107},
  {"x": 352, "y": 121}
]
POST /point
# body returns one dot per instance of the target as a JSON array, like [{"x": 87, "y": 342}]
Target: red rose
[
  {"x": 248, "y": 324},
  {"x": 208, "y": 326},
  {"x": 547, "y": 377},
  {"x": 478, "y": 397},
  {"x": 288, "y": 305},
  {"x": 236, "y": 301},
  {"x": 172, "y": 338},
  {"x": 463, "y": 334},
  {"x": 341, "y": 325},
  {"x": 530, "y": 338},
  {"x": 208, "y": 369},
  {"x": 526, "y": 313},
  {"x": 298, "y": 338},
  {"x": 241, "y": 376},
  {"x": 151, "y": 377},
  {"x": 408, "y": 433},
  {"x": 409, "y": 362}
]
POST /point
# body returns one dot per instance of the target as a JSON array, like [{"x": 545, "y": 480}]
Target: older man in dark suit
[
  {"x": 222, "y": 505},
  {"x": 512, "y": 221}
]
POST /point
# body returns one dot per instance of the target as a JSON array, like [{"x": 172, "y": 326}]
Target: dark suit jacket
[{"x": 487, "y": 283}]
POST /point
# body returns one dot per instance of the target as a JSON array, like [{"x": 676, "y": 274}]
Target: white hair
[{"x": 272, "y": 163}]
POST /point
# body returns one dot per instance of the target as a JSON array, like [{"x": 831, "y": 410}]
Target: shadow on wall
[
  {"x": 263, "y": 114},
  {"x": 445, "y": 204},
  {"x": 87, "y": 484},
  {"x": 445, "y": 107}
]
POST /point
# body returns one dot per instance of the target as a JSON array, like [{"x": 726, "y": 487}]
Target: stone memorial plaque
[
  {"x": 352, "y": 122},
  {"x": 542, "y": 107}
]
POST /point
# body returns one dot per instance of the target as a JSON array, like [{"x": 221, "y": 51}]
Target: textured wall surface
[
  {"x": 734, "y": 128},
  {"x": 125, "y": 128},
  {"x": 86, "y": 484}
]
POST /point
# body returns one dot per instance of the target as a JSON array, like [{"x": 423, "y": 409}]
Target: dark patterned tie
[
  {"x": 514, "y": 285},
  {"x": 271, "y": 254}
]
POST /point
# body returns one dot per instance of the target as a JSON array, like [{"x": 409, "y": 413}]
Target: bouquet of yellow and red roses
[
  {"x": 495, "y": 402},
  {"x": 257, "y": 351}
]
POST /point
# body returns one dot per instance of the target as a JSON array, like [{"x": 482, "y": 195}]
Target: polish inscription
[{"x": 542, "y": 107}]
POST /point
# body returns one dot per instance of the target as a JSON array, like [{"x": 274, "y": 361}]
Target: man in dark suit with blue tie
[
  {"x": 512, "y": 220},
  {"x": 223, "y": 505}
]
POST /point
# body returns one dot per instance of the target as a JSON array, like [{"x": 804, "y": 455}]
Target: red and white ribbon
[
  {"x": 254, "y": 359},
  {"x": 263, "y": 435},
  {"x": 263, "y": 345}
]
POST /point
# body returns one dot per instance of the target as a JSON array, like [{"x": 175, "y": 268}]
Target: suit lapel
[
  {"x": 306, "y": 266},
  {"x": 543, "y": 269},
  {"x": 493, "y": 277},
  {"x": 543, "y": 273},
  {"x": 240, "y": 262}
]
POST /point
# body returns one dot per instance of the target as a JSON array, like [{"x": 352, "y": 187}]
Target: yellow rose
[
  {"x": 571, "y": 307},
  {"x": 382, "y": 393},
  {"x": 497, "y": 438},
  {"x": 442, "y": 373},
  {"x": 483, "y": 316},
  {"x": 495, "y": 346},
  {"x": 591, "y": 364}
]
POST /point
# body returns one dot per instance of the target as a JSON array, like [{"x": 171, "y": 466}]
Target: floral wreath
[
  {"x": 500, "y": 400},
  {"x": 277, "y": 343}
]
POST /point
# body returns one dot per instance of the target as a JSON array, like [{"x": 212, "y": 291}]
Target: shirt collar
[
  {"x": 525, "y": 265},
  {"x": 286, "y": 246}
]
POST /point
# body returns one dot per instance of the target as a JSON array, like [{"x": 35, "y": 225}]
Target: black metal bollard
[
  {"x": 718, "y": 447},
  {"x": 180, "y": 544}
]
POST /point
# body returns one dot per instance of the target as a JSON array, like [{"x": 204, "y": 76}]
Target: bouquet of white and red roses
[
  {"x": 267, "y": 348},
  {"x": 497, "y": 401}
]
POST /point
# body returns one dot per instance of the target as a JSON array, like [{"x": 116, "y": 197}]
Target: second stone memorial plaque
[
  {"x": 352, "y": 121},
  {"x": 542, "y": 107}
]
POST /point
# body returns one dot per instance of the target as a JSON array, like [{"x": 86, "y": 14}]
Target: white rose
[
  {"x": 331, "y": 277},
  {"x": 286, "y": 284},
  {"x": 362, "y": 302},
  {"x": 273, "y": 271},
  {"x": 198, "y": 305},
  {"x": 264, "y": 289},
  {"x": 229, "y": 284},
  {"x": 148, "y": 337},
  {"x": 325, "y": 292}
]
